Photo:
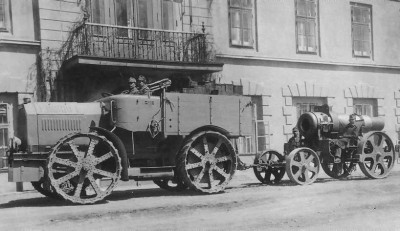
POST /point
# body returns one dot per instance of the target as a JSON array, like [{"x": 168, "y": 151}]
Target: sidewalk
[{"x": 9, "y": 187}]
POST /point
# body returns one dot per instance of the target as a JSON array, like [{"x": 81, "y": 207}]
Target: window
[
  {"x": 241, "y": 22},
  {"x": 361, "y": 30},
  {"x": 364, "y": 106},
  {"x": 306, "y": 104},
  {"x": 306, "y": 26},
  {"x": 167, "y": 15},
  {"x": 5, "y": 16},
  {"x": 156, "y": 14},
  {"x": 244, "y": 145},
  {"x": 145, "y": 14}
]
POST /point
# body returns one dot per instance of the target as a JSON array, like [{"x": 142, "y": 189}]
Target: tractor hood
[{"x": 45, "y": 123}]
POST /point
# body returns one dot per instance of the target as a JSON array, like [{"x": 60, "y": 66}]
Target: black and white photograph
[{"x": 199, "y": 115}]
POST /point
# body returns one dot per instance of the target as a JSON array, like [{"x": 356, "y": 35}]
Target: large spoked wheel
[
  {"x": 170, "y": 185},
  {"x": 84, "y": 168},
  {"x": 265, "y": 170},
  {"x": 207, "y": 162},
  {"x": 338, "y": 170},
  {"x": 377, "y": 155},
  {"x": 302, "y": 166}
]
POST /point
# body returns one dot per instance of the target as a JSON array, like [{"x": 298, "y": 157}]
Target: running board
[{"x": 142, "y": 174}]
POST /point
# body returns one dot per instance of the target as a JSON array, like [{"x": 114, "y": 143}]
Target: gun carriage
[{"x": 374, "y": 151}]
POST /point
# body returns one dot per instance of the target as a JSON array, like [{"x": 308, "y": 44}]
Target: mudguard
[{"x": 121, "y": 149}]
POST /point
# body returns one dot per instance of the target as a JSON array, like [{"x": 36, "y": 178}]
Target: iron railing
[{"x": 136, "y": 43}]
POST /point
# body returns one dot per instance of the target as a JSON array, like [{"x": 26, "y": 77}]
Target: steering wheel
[{"x": 106, "y": 94}]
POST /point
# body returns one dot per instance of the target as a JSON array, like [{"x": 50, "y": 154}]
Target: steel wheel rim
[
  {"x": 76, "y": 170},
  {"x": 210, "y": 162},
  {"x": 269, "y": 175},
  {"x": 302, "y": 166},
  {"x": 377, "y": 155}
]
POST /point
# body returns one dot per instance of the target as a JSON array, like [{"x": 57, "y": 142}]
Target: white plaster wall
[{"x": 274, "y": 78}]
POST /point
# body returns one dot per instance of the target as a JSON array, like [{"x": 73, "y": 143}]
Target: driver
[{"x": 132, "y": 87}]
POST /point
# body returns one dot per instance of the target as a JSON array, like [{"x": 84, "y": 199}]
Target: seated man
[
  {"x": 132, "y": 87},
  {"x": 143, "y": 89},
  {"x": 294, "y": 142},
  {"x": 351, "y": 131}
]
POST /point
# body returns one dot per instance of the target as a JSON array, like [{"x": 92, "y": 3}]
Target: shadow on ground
[
  {"x": 117, "y": 195},
  {"x": 120, "y": 195},
  {"x": 290, "y": 183}
]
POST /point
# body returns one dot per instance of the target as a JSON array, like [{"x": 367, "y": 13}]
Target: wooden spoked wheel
[
  {"x": 84, "y": 168},
  {"x": 207, "y": 162},
  {"x": 302, "y": 166},
  {"x": 377, "y": 155},
  {"x": 268, "y": 169}
]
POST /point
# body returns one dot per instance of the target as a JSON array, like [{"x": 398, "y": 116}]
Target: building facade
[
  {"x": 290, "y": 55},
  {"x": 303, "y": 53},
  {"x": 19, "y": 52}
]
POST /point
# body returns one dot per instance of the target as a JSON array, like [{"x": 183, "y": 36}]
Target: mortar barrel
[{"x": 373, "y": 124}]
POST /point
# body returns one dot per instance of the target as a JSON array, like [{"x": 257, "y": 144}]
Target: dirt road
[{"x": 352, "y": 204}]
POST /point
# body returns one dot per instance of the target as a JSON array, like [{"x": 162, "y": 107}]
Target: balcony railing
[{"x": 136, "y": 43}]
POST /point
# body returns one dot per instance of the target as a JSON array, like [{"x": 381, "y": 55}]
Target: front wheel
[
  {"x": 84, "y": 168},
  {"x": 207, "y": 162},
  {"x": 302, "y": 166},
  {"x": 269, "y": 167}
]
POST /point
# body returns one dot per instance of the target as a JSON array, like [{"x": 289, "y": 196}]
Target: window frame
[
  {"x": 307, "y": 19},
  {"x": 307, "y": 101},
  {"x": 359, "y": 24},
  {"x": 366, "y": 102},
  {"x": 252, "y": 27},
  {"x": 7, "y": 16}
]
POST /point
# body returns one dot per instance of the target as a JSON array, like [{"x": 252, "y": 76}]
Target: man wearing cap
[
  {"x": 132, "y": 87},
  {"x": 143, "y": 89},
  {"x": 295, "y": 141},
  {"x": 351, "y": 131}
]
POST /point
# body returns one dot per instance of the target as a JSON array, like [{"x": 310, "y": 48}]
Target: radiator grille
[{"x": 61, "y": 124}]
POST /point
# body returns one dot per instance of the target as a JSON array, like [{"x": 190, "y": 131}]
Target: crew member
[
  {"x": 295, "y": 141},
  {"x": 132, "y": 87},
  {"x": 350, "y": 132},
  {"x": 143, "y": 89}
]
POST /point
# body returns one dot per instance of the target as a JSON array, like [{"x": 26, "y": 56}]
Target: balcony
[{"x": 109, "y": 45}]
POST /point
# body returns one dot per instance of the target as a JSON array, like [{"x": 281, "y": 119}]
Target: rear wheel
[
  {"x": 207, "y": 162},
  {"x": 377, "y": 156},
  {"x": 84, "y": 168}
]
